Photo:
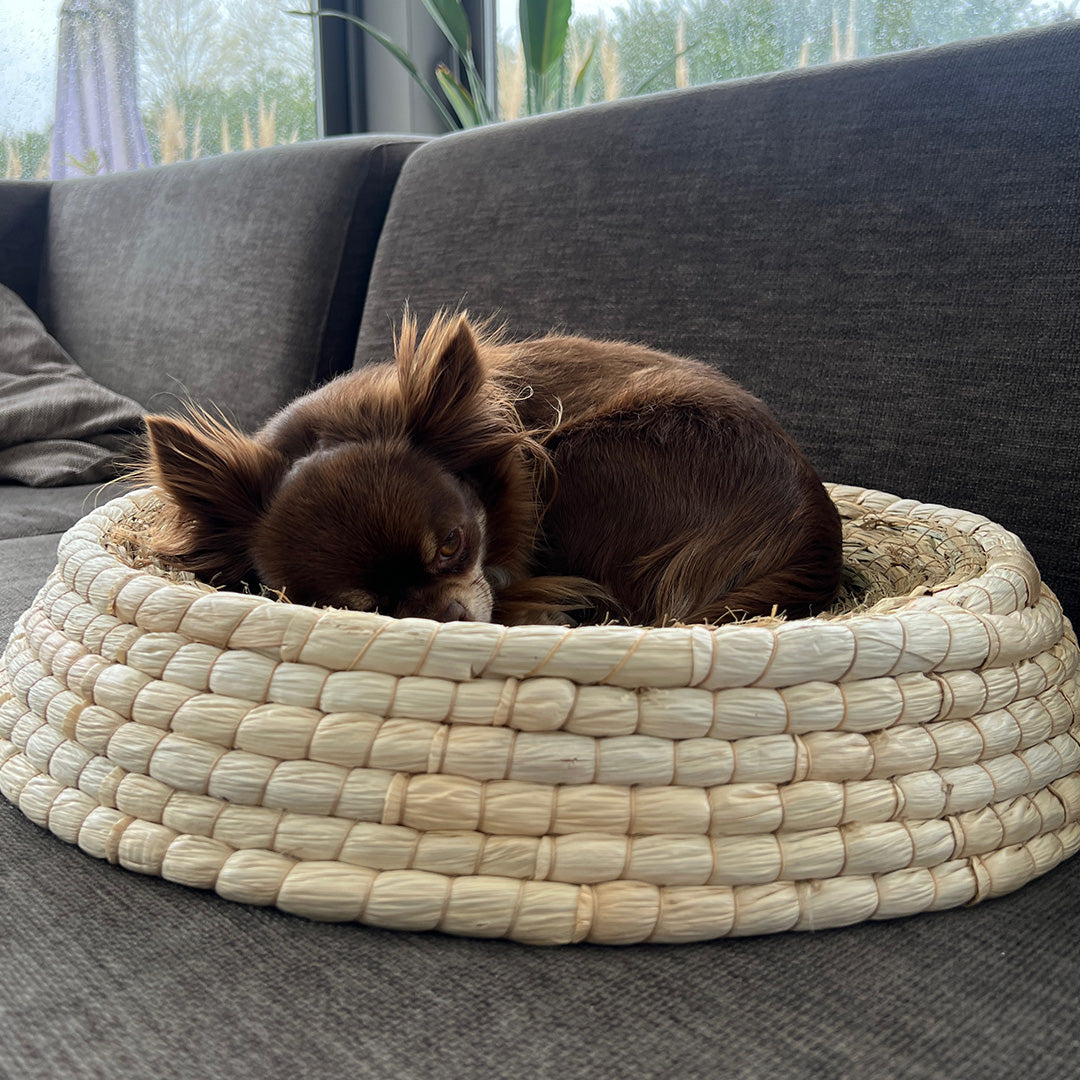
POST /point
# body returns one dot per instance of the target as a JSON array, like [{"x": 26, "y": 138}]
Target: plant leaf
[
  {"x": 578, "y": 95},
  {"x": 460, "y": 99},
  {"x": 484, "y": 107},
  {"x": 543, "y": 33},
  {"x": 396, "y": 50},
  {"x": 451, "y": 19}
]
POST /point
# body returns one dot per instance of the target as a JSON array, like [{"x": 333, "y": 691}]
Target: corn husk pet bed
[{"x": 913, "y": 750}]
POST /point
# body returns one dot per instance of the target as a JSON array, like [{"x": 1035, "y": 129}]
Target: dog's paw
[{"x": 553, "y": 618}]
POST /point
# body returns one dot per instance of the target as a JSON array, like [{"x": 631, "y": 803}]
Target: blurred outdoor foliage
[
  {"x": 635, "y": 46},
  {"x": 214, "y": 76},
  {"x": 223, "y": 75}
]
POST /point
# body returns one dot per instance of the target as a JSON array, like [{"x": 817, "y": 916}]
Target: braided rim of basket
[{"x": 611, "y": 784}]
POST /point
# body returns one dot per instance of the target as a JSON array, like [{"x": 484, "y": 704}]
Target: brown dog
[{"x": 472, "y": 479}]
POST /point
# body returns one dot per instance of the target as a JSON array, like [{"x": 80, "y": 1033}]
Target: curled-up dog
[{"x": 473, "y": 478}]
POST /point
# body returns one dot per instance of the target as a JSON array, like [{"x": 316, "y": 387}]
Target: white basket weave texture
[{"x": 607, "y": 783}]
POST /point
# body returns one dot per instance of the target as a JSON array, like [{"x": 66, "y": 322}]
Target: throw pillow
[{"x": 57, "y": 426}]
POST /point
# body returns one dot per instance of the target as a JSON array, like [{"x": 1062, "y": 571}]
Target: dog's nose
[{"x": 453, "y": 612}]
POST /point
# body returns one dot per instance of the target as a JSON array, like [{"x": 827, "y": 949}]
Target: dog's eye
[{"x": 451, "y": 545}]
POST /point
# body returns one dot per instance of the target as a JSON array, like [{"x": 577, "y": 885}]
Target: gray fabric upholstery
[
  {"x": 24, "y": 206},
  {"x": 885, "y": 251},
  {"x": 236, "y": 280},
  {"x": 25, "y": 563},
  {"x": 113, "y": 974},
  {"x": 56, "y": 425},
  {"x": 26, "y": 511}
]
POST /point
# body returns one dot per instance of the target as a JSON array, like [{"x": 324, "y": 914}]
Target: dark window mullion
[{"x": 342, "y": 101}]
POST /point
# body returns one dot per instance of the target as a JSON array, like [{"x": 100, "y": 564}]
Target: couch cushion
[
  {"x": 56, "y": 425},
  {"x": 885, "y": 251},
  {"x": 25, "y": 563},
  {"x": 26, "y": 511},
  {"x": 113, "y": 973},
  {"x": 234, "y": 280}
]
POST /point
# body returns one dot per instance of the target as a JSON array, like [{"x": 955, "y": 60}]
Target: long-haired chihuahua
[{"x": 472, "y": 478}]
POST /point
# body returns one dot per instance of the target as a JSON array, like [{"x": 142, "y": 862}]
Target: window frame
[{"x": 347, "y": 102}]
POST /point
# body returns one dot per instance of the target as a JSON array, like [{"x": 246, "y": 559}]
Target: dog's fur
[{"x": 474, "y": 479}]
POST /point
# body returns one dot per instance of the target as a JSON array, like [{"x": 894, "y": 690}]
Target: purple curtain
[{"x": 97, "y": 126}]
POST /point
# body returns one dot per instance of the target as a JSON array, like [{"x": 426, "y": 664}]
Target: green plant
[
  {"x": 543, "y": 40},
  {"x": 543, "y": 26},
  {"x": 90, "y": 165}
]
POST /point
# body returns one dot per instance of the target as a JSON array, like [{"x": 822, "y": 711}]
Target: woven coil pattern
[{"x": 916, "y": 749}]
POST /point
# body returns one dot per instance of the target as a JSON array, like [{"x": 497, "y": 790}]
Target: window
[
  {"x": 193, "y": 78},
  {"x": 646, "y": 45},
  {"x": 90, "y": 86}
]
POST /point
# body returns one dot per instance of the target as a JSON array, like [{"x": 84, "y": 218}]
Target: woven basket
[{"x": 916, "y": 749}]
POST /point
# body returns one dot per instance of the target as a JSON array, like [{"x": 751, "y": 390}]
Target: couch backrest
[
  {"x": 887, "y": 251},
  {"x": 24, "y": 208},
  {"x": 235, "y": 280}
]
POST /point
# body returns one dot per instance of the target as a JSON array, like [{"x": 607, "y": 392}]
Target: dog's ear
[
  {"x": 219, "y": 481},
  {"x": 440, "y": 378},
  {"x": 456, "y": 413}
]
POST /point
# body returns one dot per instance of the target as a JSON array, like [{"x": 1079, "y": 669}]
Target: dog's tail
[
  {"x": 733, "y": 575},
  {"x": 551, "y": 599}
]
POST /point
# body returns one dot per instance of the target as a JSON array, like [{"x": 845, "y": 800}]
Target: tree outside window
[{"x": 215, "y": 76}]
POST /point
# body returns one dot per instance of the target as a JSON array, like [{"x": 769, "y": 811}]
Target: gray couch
[{"x": 887, "y": 251}]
